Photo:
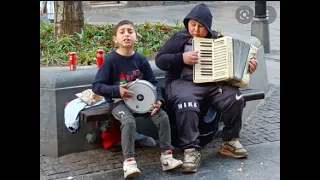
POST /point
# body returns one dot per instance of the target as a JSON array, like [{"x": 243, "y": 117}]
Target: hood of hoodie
[{"x": 202, "y": 14}]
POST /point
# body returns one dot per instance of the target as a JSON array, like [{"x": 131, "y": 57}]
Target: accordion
[{"x": 223, "y": 59}]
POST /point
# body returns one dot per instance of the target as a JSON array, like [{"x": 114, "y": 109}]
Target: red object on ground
[{"x": 113, "y": 136}]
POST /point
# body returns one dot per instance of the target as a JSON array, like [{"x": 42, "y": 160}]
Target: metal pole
[
  {"x": 260, "y": 9},
  {"x": 260, "y": 26}
]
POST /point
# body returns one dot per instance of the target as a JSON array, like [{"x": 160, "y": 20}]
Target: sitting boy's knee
[
  {"x": 162, "y": 117},
  {"x": 129, "y": 122}
]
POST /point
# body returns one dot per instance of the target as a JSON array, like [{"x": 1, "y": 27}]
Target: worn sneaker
[
  {"x": 191, "y": 160},
  {"x": 168, "y": 162},
  {"x": 130, "y": 168},
  {"x": 233, "y": 148}
]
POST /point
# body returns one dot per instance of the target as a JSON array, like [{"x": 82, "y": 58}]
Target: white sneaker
[
  {"x": 168, "y": 162},
  {"x": 233, "y": 148},
  {"x": 130, "y": 168},
  {"x": 191, "y": 160}
]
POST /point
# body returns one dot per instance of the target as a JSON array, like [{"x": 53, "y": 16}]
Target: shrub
[{"x": 93, "y": 37}]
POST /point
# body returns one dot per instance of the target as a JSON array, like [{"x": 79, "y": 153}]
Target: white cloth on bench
[{"x": 71, "y": 113}]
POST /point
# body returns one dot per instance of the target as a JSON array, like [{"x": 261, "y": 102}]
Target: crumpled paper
[{"x": 89, "y": 97}]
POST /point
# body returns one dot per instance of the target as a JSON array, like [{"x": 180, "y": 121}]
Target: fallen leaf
[{"x": 239, "y": 170}]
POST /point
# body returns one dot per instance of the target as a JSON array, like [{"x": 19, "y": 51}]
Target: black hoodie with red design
[{"x": 117, "y": 69}]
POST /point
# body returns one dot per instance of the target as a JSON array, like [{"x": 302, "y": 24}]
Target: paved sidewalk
[
  {"x": 262, "y": 164},
  {"x": 223, "y": 17}
]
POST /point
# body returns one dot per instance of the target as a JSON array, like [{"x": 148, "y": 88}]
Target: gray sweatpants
[{"x": 128, "y": 128}]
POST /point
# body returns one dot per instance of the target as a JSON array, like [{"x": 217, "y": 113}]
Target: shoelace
[
  {"x": 190, "y": 157},
  {"x": 129, "y": 166},
  {"x": 235, "y": 144},
  {"x": 171, "y": 160}
]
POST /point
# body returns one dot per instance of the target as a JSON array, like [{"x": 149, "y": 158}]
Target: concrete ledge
[{"x": 59, "y": 85}]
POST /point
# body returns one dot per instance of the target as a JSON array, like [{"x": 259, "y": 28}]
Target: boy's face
[
  {"x": 125, "y": 36},
  {"x": 196, "y": 29}
]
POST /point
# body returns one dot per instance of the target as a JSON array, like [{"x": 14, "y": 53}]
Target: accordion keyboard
[
  {"x": 204, "y": 67},
  {"x": 213, "y": 60},
  {"x": 223, "y": 59}
]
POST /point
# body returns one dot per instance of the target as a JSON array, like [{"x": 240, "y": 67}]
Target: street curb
[
  {"x": 106, "y": 173},
  {"x": 205, "y": 152}
]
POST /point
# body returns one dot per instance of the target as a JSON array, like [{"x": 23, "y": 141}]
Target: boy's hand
[
  {"x": 156, "y": 107},
  {"x": 252, "y": 65},
  {"x": 190, "y": 57},
  {"x": 124, "y": 93}
]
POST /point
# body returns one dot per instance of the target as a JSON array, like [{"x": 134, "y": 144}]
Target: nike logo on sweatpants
[{"x": 238, "y": 97}]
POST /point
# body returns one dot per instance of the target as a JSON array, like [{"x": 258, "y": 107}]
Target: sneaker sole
[
  {"x": 189, "y": 170},
  {"x": 132, "y": 174},
  {"x": 177, "y": 165},
  {"x": 228, "y": 153}
]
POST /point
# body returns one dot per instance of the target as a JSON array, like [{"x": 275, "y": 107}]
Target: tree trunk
[{"x": 68, "y": 17}]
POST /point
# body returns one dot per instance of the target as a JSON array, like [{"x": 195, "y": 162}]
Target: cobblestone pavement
[{"x": 262, "y": 126}]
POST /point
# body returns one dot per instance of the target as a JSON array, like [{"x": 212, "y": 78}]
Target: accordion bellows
[{"x": 223, "y": 59}]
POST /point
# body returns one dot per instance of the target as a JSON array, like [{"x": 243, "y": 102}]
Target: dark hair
[{"x": 123, "y": 22}]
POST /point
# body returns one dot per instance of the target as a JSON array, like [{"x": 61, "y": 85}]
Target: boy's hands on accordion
[
  {"x": 252, "y": 65},
  {"x": 190, "y": 57}
]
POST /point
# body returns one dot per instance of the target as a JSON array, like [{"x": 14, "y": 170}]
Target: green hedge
[{"x": 93, "y": 37}]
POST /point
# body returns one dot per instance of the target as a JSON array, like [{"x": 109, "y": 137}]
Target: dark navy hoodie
[
  {"x": 117, "y": 69},
  {"x": 170, "y": 56}
]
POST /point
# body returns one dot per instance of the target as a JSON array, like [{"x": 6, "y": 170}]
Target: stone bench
[{"x": 58, "y": 85}]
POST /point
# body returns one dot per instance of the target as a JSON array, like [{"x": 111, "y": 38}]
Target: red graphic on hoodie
[
  {"x": 131, "y": 76},
  {"x": 122, "y": 78}
]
